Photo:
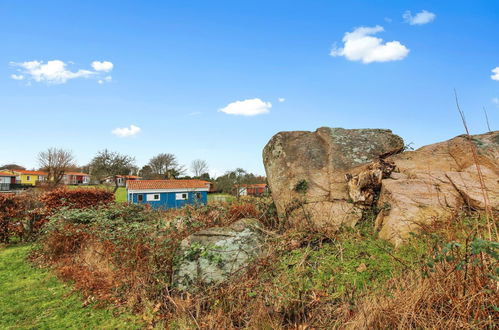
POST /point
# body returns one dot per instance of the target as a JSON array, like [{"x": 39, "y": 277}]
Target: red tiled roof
[
  {"x": 166, "y": 184},
  {"x": 128, "y": 176},
  {"x": 255, "y": 185},
  {"x": 77, "y": 173},
  {"x": 6, "y": 174},
  {"x": 31, "y": 172}
]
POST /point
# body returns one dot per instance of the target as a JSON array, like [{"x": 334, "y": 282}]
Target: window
[
  {"x": 198, "y": 195},
  {"x": 153, "y": 197},
  {"x": 28, "y": 178},
  {"x": 140, "y": 198},
  {"x": 181, "y": 196}
]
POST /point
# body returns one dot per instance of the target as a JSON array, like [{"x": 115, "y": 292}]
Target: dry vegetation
[{"x": 446, "y": 276}]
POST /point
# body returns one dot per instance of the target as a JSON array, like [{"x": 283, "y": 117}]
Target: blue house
[{"x": 167, "y": 194}]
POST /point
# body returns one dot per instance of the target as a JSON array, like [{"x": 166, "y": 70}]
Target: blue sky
[{"x": 174, "y": 64}]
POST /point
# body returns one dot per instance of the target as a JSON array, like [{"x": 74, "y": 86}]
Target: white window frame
[
  {"x": 153, "y": 197},
  {"x": 181, "y": 197}
]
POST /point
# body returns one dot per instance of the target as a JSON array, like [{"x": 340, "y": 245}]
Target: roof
[
  {"x": 77, "y": 173},
  {"x": 166, "y": 184},
  {"x": 31, "y": 172},
  {"x": 126, "y": 176},
  {"x": 255, "y": 185},
  {"x": 6, "y": 174}
]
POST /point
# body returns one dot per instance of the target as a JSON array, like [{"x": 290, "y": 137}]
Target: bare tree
[
  {"x": 56, "y": 162},
  {"x": 166, "y": 166},
  {"x": 199, "y": 167},
  {"x": 111, "y": 164}
]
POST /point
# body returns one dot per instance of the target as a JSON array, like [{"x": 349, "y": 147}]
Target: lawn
[
  {"x": 33, "y": 298},
  {"x": 220, "y": 198}
]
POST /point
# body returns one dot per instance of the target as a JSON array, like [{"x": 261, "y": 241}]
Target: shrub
[
  {"x": 20, "y": 216},
  {"x": 242, "y": 210},
  {"x": 76, "y": 198}
]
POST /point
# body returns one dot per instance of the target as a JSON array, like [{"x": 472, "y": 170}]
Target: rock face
[
  {"x": 333, "y": 174},
  {"x": 435, "y": 181},
  {"x": 211, "y": 256},
  {"x": 306, "y": 170}
]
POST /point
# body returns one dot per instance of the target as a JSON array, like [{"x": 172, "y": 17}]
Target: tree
[
  {"x": 165, "y": 166},
  {"x": 12, "y": 167},
  {"x": 56, "y": 162},
  {"x": 146, "y": 172},
  {"x": 199, "y": 167},
  {"x": 231, "y": 181},
  {"x": 111, "y": 164}
]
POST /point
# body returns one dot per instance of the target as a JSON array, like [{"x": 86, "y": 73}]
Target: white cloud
[
  {"x": 281, "y": 99},
  {"x": 53, "y": 72},
  {"x": 250, "y": 107},
  {"x": 56, "y": 71},
  {"x": 423, "y": 17},
  {"x": 126, "y": 131},
  {"x": 495, "y": 100},
  {"x": 360, "y": 45},
  {"x": 105, "y": 79},
  {"x": 104, "y": 66},
  {"x": 495, "y": 75}
]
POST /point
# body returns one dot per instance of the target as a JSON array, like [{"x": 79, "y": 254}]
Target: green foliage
[
  {"x": 354, "y": 262},
  {"x": 32, "y": 298},
  {"x": 301, "y": 186}
]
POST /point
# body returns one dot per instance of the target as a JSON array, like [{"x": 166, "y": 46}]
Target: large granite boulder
[
  {"x": 306, "y": 171},
  {"x": 332, "y": 175},
  {"x": 435, "y": 181},
  {"x": 214, "y": 255}
]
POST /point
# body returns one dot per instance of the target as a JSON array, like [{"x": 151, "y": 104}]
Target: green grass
[
  {"x": 33, "y": 298},
  {"x": 120, "y": 195},
  {"x": 358, "y": 261},
  {"x": 220, "y": 197}
]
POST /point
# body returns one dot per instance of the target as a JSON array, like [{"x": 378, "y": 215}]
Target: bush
[
  {"x": 76, "y": 198},
  {"x": 21, "y": 216}
]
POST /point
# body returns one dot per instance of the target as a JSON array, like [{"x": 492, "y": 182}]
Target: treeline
[{"x": 110, "y": 165}]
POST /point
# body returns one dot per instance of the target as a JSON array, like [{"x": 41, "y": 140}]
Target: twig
[
  {"x": 486, "y": 119},
  {"x": 488, "y": 211}
]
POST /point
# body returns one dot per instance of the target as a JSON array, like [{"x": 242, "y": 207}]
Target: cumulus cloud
[
  {"x": 56, "y": 71},
  {"x": 126, "y": 131},
  {"x": 281, "y": 99},
  {"x": 360, "y": 45},
  {"x": 423, "y": 17},
  {"x": 250, "y": 107},
  {"x": 104, "y": 66},
  {"x": 495, "y": 74}
]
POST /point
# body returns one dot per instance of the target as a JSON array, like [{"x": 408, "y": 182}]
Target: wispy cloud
[
  {"x": 423, "y": 17},
  {"x": 495, "y": 100},
  {"x": 495, "y": 74},
  {"x": 105, "y": 79},
  {"x": 250, "y": 107},
  {"x": 56, "y": 71},
  {"x": 195, "y": 113},
  {"x": 126, "y": 131},
  {"x": 360, "y": 45},
  {"x": 281, "y": 99}
]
